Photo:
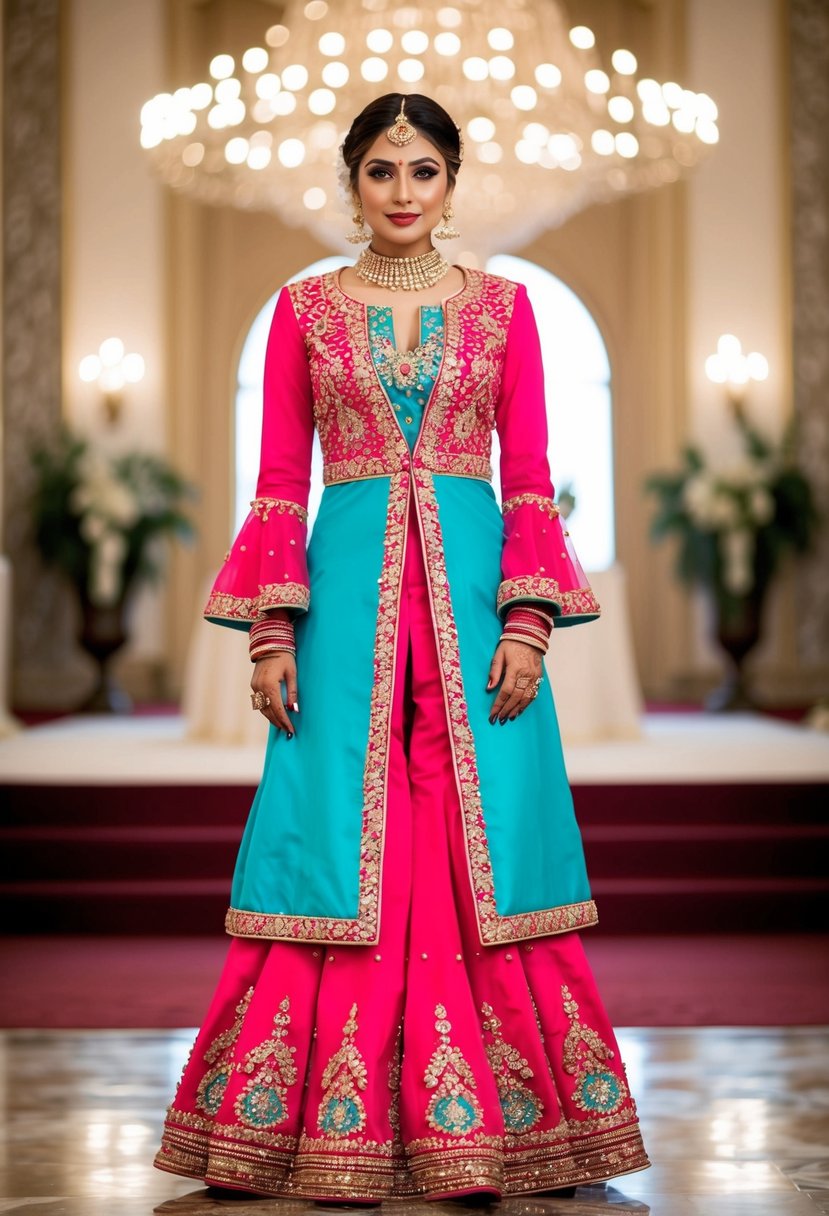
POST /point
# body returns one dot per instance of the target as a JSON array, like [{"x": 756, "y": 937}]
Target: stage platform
[
  {"x": 124, "y": 825},
  {"x": 674, "y": 748}
]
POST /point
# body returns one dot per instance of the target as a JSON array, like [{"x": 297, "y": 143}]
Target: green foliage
[
  {"x": 97, "y": 518},
  {"x": 735, "y": 526}
]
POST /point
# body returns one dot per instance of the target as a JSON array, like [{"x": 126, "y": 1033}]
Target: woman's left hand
[{"x": 517, "y": 667}]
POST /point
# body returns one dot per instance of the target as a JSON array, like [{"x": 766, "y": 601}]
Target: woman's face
[{"x": 395, "y": 182}]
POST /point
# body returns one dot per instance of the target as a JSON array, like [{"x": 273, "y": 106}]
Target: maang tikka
[{"x": 402, "y": 132}]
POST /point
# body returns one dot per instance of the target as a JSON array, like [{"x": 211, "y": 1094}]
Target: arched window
[{"x": 579, "y": 412}]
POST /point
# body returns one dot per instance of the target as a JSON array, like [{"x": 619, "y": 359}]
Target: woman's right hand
[{"x": 268, "y": 677}]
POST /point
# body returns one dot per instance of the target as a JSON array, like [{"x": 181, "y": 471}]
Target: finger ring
[{"x": 258, "y": 700}]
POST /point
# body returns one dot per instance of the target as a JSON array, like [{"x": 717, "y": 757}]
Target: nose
[{"x": 401, "y": 194}]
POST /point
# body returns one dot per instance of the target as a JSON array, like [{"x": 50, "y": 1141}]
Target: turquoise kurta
[{"x": 302, "y": 845}]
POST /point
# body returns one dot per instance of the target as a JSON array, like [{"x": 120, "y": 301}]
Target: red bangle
[{"x": 269, "y": 636}]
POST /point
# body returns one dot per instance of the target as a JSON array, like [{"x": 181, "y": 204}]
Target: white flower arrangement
[
  {"x": 96, "y": 517},
  {"x": 735, "y": 523}
]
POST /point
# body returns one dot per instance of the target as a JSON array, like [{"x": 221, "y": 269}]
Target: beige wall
[
  {"x": 664, "y": 273},
  {"x": 113, "y": 237},
  {"x": 739, "y": 262}
]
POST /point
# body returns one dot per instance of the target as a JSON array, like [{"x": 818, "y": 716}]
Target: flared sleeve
[
  {"x": 538, "y": 562},
  {"x": 266, "y": 565}
]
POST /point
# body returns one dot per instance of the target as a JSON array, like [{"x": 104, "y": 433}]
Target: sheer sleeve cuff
[
  {"x": 265, "y": 567},
  {"x": 539, "y": 564}
]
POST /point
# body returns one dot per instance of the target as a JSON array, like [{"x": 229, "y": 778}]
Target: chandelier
[{"x": 549, "y": 125}]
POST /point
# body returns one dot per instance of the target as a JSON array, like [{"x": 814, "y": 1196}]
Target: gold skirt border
[{"x": 323, "y": 1168}]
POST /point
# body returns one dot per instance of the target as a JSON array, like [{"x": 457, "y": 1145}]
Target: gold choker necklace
[{"x": 406, "y": 274}]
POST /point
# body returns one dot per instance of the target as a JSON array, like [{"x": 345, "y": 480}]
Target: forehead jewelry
[{"x": 402, "y": 132}]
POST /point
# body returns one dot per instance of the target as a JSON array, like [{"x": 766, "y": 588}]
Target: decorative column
[
  {"x": 46, "y": 672},
  {"x": 809, "y": 107}
]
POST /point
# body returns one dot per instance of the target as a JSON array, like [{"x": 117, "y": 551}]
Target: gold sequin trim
[
  {"x": 539, "y": 500},
  {"x": 262, "y": 507},
  {"x": 581, "y": 602},
  {"x": 225, "y": 607}
]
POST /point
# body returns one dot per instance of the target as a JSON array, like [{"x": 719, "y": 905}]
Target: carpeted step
[
  {"x": 632, "y": 905},
  {"x": 143, "y": 852},
  {"x": 159, "y": 859},
  {"x": 156, "y": 851}
]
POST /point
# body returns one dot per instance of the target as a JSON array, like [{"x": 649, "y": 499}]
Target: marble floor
[{"x": 736, "y": 1121}]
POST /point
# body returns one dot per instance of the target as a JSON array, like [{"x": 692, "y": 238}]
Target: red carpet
[{"x": 161, "y": 982}]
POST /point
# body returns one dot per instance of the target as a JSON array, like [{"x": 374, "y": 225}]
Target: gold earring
[
  {"x": 446, "y": 231},
  {"x": 361, "y": 234}
]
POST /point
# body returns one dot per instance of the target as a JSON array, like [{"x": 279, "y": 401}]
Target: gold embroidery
[
  {"x": 520, "y": 1106},
  {"x": 264, "y": 1100},
  {"x": 598, "y": 1090},
  {"x": 395, "y": 1069},
  {"x": 365, "y": 927},
  {"x": 262, "y": 507},
  {"x": 539, "y": 500},
  {"x": 492, "y": 926},
  {"x": 453, "y": 1107},
  {"x": 581, "y": 602},
  {"x": 211, "y": 1089},
  {"x": 369, "y": 1169},
  {"x": 357, "y": 428},
  {"x": 341, "y": 1111},
  {"x": 527, "y": 587},
  {"x": 225, "y": 607}
]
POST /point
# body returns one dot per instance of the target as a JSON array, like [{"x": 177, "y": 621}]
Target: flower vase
[
  {"x": 102, "y": 634},
  {"x": 736, "y": 628}
]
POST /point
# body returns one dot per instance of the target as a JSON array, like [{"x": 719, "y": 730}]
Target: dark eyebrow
[{"x": 424, "y": 160}]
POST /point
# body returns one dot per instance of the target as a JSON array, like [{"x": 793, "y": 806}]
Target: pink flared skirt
[{"x": 427, "y": 1065}]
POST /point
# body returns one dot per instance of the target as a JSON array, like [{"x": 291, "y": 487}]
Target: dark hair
[{"x": 430, "y": 119}]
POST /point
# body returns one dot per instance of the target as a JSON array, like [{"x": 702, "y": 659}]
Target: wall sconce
[
  {"x": 729, "y": 366},
  {"x": 112, "y": 368}
]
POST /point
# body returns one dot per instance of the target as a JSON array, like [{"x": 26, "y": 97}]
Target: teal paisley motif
[
  {"x": 339, "y": 1116},
  {"x": 520, "y": 1110},
  {"x": 263, "y": 1102},
  {"x": 455, "y": 1115},
  {"x": 341, "y": 1110},
  {"x": 598, "y": 1090},
  {"x": 453, "y": 1107},
  {"x": 211, "y": 1091},
  {"x": 261, "y": 1106},
  {"x": 520, "y": 1106},
  {"x": 601, "y": 1092}
]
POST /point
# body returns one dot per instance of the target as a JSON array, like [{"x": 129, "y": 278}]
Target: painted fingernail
[
  {"x": 290, "y": 734},
  {"x": 295, "y": 707}
]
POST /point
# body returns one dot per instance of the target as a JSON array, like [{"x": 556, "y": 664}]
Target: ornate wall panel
[
  {"x": 44, "y": 670},
  {"x": 809, "y": 108}
]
